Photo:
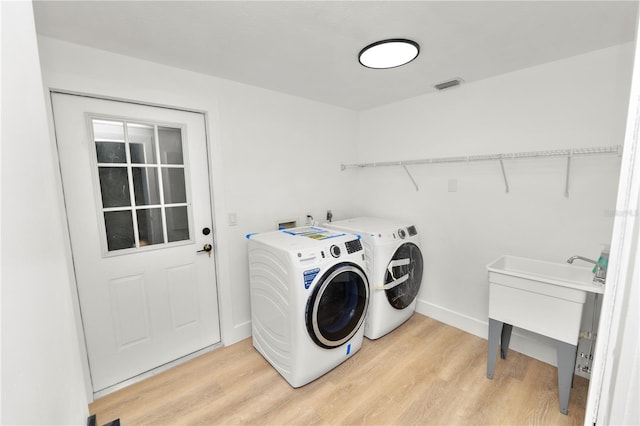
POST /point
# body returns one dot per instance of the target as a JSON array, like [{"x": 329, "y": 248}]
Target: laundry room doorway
[{"x": 138, "y": 202}]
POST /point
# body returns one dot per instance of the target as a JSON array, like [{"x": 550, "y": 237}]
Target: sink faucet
[{"x": 601, "y": 271}]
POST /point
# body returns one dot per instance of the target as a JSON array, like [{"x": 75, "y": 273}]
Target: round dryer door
[
  {"x": 404, "y": 275},
  {"x": 337, "y": 306}
]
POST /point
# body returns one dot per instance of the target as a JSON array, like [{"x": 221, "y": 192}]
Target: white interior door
[{"x": 136, "y": 186}]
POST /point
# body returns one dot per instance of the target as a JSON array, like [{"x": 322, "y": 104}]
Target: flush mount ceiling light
[{"x": 389, "y": 53}]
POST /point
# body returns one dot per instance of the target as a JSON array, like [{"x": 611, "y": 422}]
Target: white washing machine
[
  {"x": 309, "y": 298},
  {"x": 394, "y": 267}
]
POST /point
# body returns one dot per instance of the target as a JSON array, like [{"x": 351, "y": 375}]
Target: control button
[
  {"x": 401, "y": 233},
  {"x": 335, "y": 251}
]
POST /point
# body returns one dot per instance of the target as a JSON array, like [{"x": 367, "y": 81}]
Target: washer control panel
[
  {"x": 353, "y": 246},
  {"x": 337, "y": 250}
]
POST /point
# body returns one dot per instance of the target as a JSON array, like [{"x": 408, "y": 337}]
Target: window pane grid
[
  {"x": 160, "y": 183},
  {"x": 146, "y": 186},
  {"x": 117, "y": 209},
  {"x": 149, "y": 166},
  {"x": 136, "y": 233}
]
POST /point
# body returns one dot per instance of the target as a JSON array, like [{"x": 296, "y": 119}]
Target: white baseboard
[
  {"x": 237, "y": 333},
  {"x": 527, "y": 343}
]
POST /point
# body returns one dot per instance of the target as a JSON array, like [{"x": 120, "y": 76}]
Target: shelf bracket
[
  {"x": 504, "y": 175},
  {"x": 566, "y": 182},
  {"x": 411, "y": 177}
]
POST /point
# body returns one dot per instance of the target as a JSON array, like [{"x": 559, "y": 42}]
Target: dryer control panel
[{"x": 403, "y": 232}]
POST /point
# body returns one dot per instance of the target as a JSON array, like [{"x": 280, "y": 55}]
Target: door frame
[
  {"x": 623, "y": 260},
  {"x": 77, "y": 310}
]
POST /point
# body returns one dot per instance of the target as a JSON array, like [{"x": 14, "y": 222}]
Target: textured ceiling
[{"x": 309, "y": 48}]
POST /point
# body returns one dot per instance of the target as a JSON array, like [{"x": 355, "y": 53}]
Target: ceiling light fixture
[{"x": 389, "y": 53}]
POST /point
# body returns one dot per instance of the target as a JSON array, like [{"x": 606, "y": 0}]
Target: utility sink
[{"x": 544, "y": 297}]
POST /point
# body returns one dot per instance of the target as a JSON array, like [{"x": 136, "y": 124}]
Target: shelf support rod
[
  {"x": 411, "y": 177},
  {"x": 566, "y": 182},
  {"x": 504, "y": 175}
]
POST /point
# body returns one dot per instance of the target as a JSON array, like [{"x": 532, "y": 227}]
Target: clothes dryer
[
  {"x": 309, "y": 298},
  {"x": 394, "y": 267}
]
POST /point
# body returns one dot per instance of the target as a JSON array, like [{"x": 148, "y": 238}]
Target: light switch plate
[{"x": 452, "y": 185}]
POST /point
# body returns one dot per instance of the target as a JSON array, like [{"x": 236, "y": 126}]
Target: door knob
[{"x": 206, "y": 248}]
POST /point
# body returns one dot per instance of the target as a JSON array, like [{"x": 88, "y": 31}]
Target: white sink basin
[
  {"x": 560, "y": 274},
  {"x": 543, "y": 297}
]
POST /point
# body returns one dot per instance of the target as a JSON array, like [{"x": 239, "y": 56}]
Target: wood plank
[{"x": 424, "y": 372}]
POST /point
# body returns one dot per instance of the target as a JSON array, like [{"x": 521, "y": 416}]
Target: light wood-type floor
[{"x": 424, "y": 372}]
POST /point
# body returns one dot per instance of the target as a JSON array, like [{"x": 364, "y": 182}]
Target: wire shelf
[
  {"x": 575, "y": 152},
  {"x": 568, "y": 153}
]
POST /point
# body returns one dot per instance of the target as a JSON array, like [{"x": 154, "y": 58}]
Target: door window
[
  {"x": 404, "y": 276},
  {"x": 141, "y": 173},
  {"x": 337, "y": 306}
]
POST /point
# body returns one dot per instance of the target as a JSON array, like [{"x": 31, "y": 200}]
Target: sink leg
[
  {"x": 566, "y": 366},
  {"x": 505, "y": 337},
  {"x": 495, "y": 329}
]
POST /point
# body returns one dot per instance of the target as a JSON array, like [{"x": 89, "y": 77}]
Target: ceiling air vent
[{"x": 447, "y": 84}]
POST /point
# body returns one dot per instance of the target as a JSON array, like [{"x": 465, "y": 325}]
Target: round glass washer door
[
  {"x": 404, "y": 276},
  {"x": 337, "y": 305}
]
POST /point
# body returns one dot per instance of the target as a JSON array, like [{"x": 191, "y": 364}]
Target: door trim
[
  {"x": 129, "y": 101},
  {"x": 75, "y": 296},
  {"x": 624, "y": 246}
]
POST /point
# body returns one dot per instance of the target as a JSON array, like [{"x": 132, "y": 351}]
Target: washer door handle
[{"x": 396, "y": 263}]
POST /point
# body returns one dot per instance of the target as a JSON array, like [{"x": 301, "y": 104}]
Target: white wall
[
  {"x": 268, "y": 151},
  {"x": 572, "y": 103},
  {"x": 42, "y": 379}
]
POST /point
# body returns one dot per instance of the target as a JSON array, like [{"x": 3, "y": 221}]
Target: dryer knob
[
  {"x": 401, "y": 233},
  {"x": 335, "y": 251}
]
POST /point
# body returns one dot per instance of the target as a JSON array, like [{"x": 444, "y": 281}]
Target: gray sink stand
[{"x": 500, "y": 332}]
